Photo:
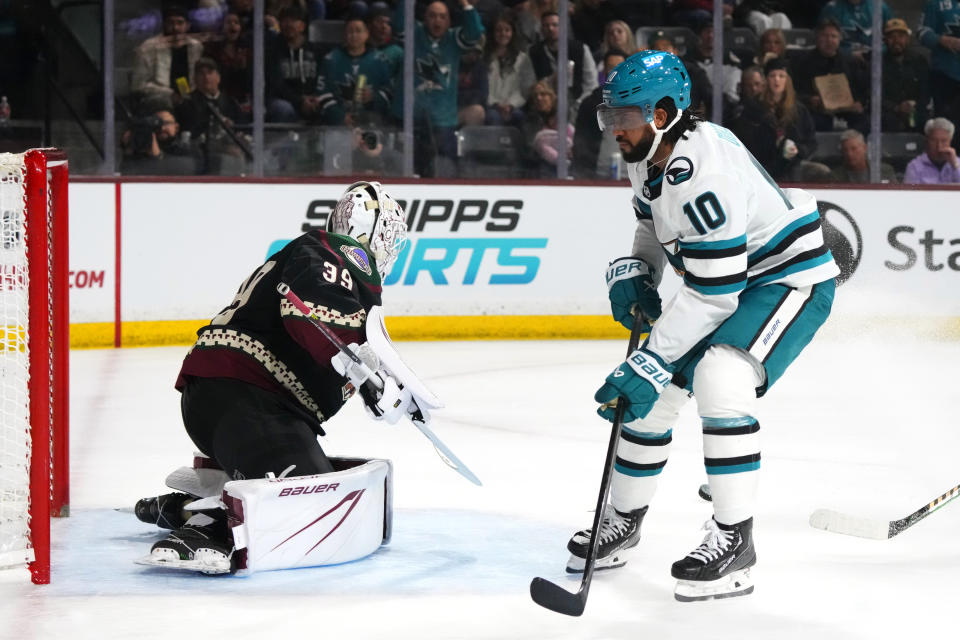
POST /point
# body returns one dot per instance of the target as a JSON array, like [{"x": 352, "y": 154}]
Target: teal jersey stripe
[
  {"x": 757, "y": 255},
  {"x": 637, "y": 473},
  {"x": 649, "y": 435},
  {"x": 740, "y": 421},
  {"x": 800, "y": 266},
  {"x": 734, "y": 468},
  {"x": 714, "y": 245}
]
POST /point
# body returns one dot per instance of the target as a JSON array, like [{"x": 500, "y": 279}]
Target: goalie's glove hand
[
  {"x": 630, "y": 284},
  {"x": 356, "y": 373},
  {"x": 638, "y": 382},
  {"x": 384, "y": 399}
]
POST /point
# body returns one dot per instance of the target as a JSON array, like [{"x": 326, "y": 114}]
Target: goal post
[{"x": 34, "y": 355}]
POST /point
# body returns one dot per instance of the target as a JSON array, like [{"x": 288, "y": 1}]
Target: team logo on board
[
  {"x": 358, "y": 257},
  {"x": 679, "y": 170},
  {"x": 842, "y": 236}
]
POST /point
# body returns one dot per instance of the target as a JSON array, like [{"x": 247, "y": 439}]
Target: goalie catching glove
[
  {"x": 630, "y": 284},
  {"x": 383, "y": 397}
]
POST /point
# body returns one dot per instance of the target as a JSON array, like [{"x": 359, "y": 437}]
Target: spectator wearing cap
[
  {"x": 906, "y": 80},
  {"x": 938, "y": 164},
  {"x": 855, "y": 19},
  {"x": 827, "y": 59},
  {"x": 161, "y": 72},
  {"x": 854, "y": 166},
  {"x": 293, "y": 70},
  {"x": 940, "y": 32},
  {"x": 778, "y": 129},
  {"x": 209, "y": 115}
]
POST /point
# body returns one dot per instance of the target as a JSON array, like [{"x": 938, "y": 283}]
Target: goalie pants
[
  {"x": 726, "y": 372},
  {"x": 249, "y": 431}
]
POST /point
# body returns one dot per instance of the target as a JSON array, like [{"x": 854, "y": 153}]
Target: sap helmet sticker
[
  {"x": 613, "y": 74},
  {"x": 653, "y": 61},
  {"x": 679, "y": 170},
  {"x": 358, "y": 257}
]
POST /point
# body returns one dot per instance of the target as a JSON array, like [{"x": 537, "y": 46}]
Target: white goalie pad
[
  {"x": 309, "y": 521},
  {"x": 379, "y": 341},
  {"x": 203, "y": 480}
]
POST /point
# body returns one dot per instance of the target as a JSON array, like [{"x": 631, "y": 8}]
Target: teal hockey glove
[
  {"x": 638, "y": 382},
  {"x": 629, "y": 284}
]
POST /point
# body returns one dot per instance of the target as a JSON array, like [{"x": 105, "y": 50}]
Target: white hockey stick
[
  {"x": 837, "y": 522},
  {"x": 442, "y": 450}
]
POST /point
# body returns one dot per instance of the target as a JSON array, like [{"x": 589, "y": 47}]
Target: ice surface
[{"x": 857, "y": 425}]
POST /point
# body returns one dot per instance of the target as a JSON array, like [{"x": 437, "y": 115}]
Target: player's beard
[{"x": 636, "y": 152}]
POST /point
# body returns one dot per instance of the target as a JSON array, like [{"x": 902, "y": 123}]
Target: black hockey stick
[
  {"x": 877, "y": 529},
  {"x": 556, "y": 598}
]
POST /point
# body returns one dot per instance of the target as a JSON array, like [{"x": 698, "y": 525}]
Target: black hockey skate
[
  {"x": 165, "y": 511},
  {"x": 202, "y": 544},
  {"x": 720, "y": 566},
  {"x": 618, "y": 532}
]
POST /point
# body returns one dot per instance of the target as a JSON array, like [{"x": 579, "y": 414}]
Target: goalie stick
[
  {"x": 546, "y": 593},
  {"x": 837, "y": 522},
  {"x": 448, "y": 457}
]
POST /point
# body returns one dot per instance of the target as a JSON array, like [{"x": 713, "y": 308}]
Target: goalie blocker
[{"x": 287, "y": 523}]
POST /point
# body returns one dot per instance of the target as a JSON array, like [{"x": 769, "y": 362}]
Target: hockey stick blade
[
  {"x": 550, "y": 596},
  {"x": 544, "y": 592},
  {"x": 837, "y": 522}
]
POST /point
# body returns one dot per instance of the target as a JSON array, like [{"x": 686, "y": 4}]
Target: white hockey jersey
[{"x": 725, "y": 227}]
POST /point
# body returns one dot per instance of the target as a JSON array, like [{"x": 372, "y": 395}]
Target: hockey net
[{"x": 34, "y": 352}]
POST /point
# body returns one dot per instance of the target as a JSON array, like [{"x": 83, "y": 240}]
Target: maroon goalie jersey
[{"x": 262, "y": 339}]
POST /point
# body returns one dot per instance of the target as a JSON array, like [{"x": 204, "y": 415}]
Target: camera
[
  {"x": 370, "y": 139},
  {"x": 142, "y": 131}
]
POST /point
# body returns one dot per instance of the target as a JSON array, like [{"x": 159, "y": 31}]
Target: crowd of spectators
[{"x": 495, "y": 63}]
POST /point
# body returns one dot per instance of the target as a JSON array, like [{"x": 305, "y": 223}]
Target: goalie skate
[
  {"x": 619, "y": 532},
  {"x": 720, "y": 566},
  {"x": 193, "y": 547}
]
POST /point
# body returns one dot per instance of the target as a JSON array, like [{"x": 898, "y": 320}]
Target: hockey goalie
[{"x": 256, "y": 389}]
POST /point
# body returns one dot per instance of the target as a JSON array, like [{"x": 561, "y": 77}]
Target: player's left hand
[
  {"x": 638, "y": 381},
  {"x": 630, "y": 284}
]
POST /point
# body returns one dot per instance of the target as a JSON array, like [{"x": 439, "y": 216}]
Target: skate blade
[
  {"x": 577, "y": 564},
  {"x": 736, "y": 584},
  {"x": 209, "y": 564}
]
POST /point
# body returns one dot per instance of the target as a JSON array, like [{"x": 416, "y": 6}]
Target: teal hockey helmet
[
  {"x": 644, "y": 79},
  {"x": 634, "y": 88}
]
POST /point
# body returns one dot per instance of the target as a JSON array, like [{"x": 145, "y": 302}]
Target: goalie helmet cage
[{"x": 34, "y": 355}]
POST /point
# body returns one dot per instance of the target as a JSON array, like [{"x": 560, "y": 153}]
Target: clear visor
[{"x": 620, "y": 118}]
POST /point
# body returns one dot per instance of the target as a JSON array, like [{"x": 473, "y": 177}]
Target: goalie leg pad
[{"x": 308, "y": 521}]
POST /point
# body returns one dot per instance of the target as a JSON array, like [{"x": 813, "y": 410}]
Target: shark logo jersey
[{"x": 724, "y": 226}]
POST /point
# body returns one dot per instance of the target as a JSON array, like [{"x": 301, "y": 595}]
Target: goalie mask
[{"x": 374, "y": 219}]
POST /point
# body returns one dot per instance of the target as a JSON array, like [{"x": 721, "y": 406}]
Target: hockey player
[
  {"x": 260, "y": 381},
  {"x": 758, "y": 282}
]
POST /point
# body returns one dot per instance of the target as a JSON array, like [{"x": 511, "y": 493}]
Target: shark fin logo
[
  {"x": 842, "y": 236},
  {"x": 679, "y": 170}
]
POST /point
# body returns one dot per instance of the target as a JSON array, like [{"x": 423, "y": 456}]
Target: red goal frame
[{"x": 47, "y": 213}]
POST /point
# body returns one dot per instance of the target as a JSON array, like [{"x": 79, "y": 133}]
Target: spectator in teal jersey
[
  {"x": 380, "y": 23},
  {"x": 855, "y": 18},
  {"x": 940, "y": 32},
  {"x": 356, "y": 77},
  {"x": 438, "y": 48}
]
